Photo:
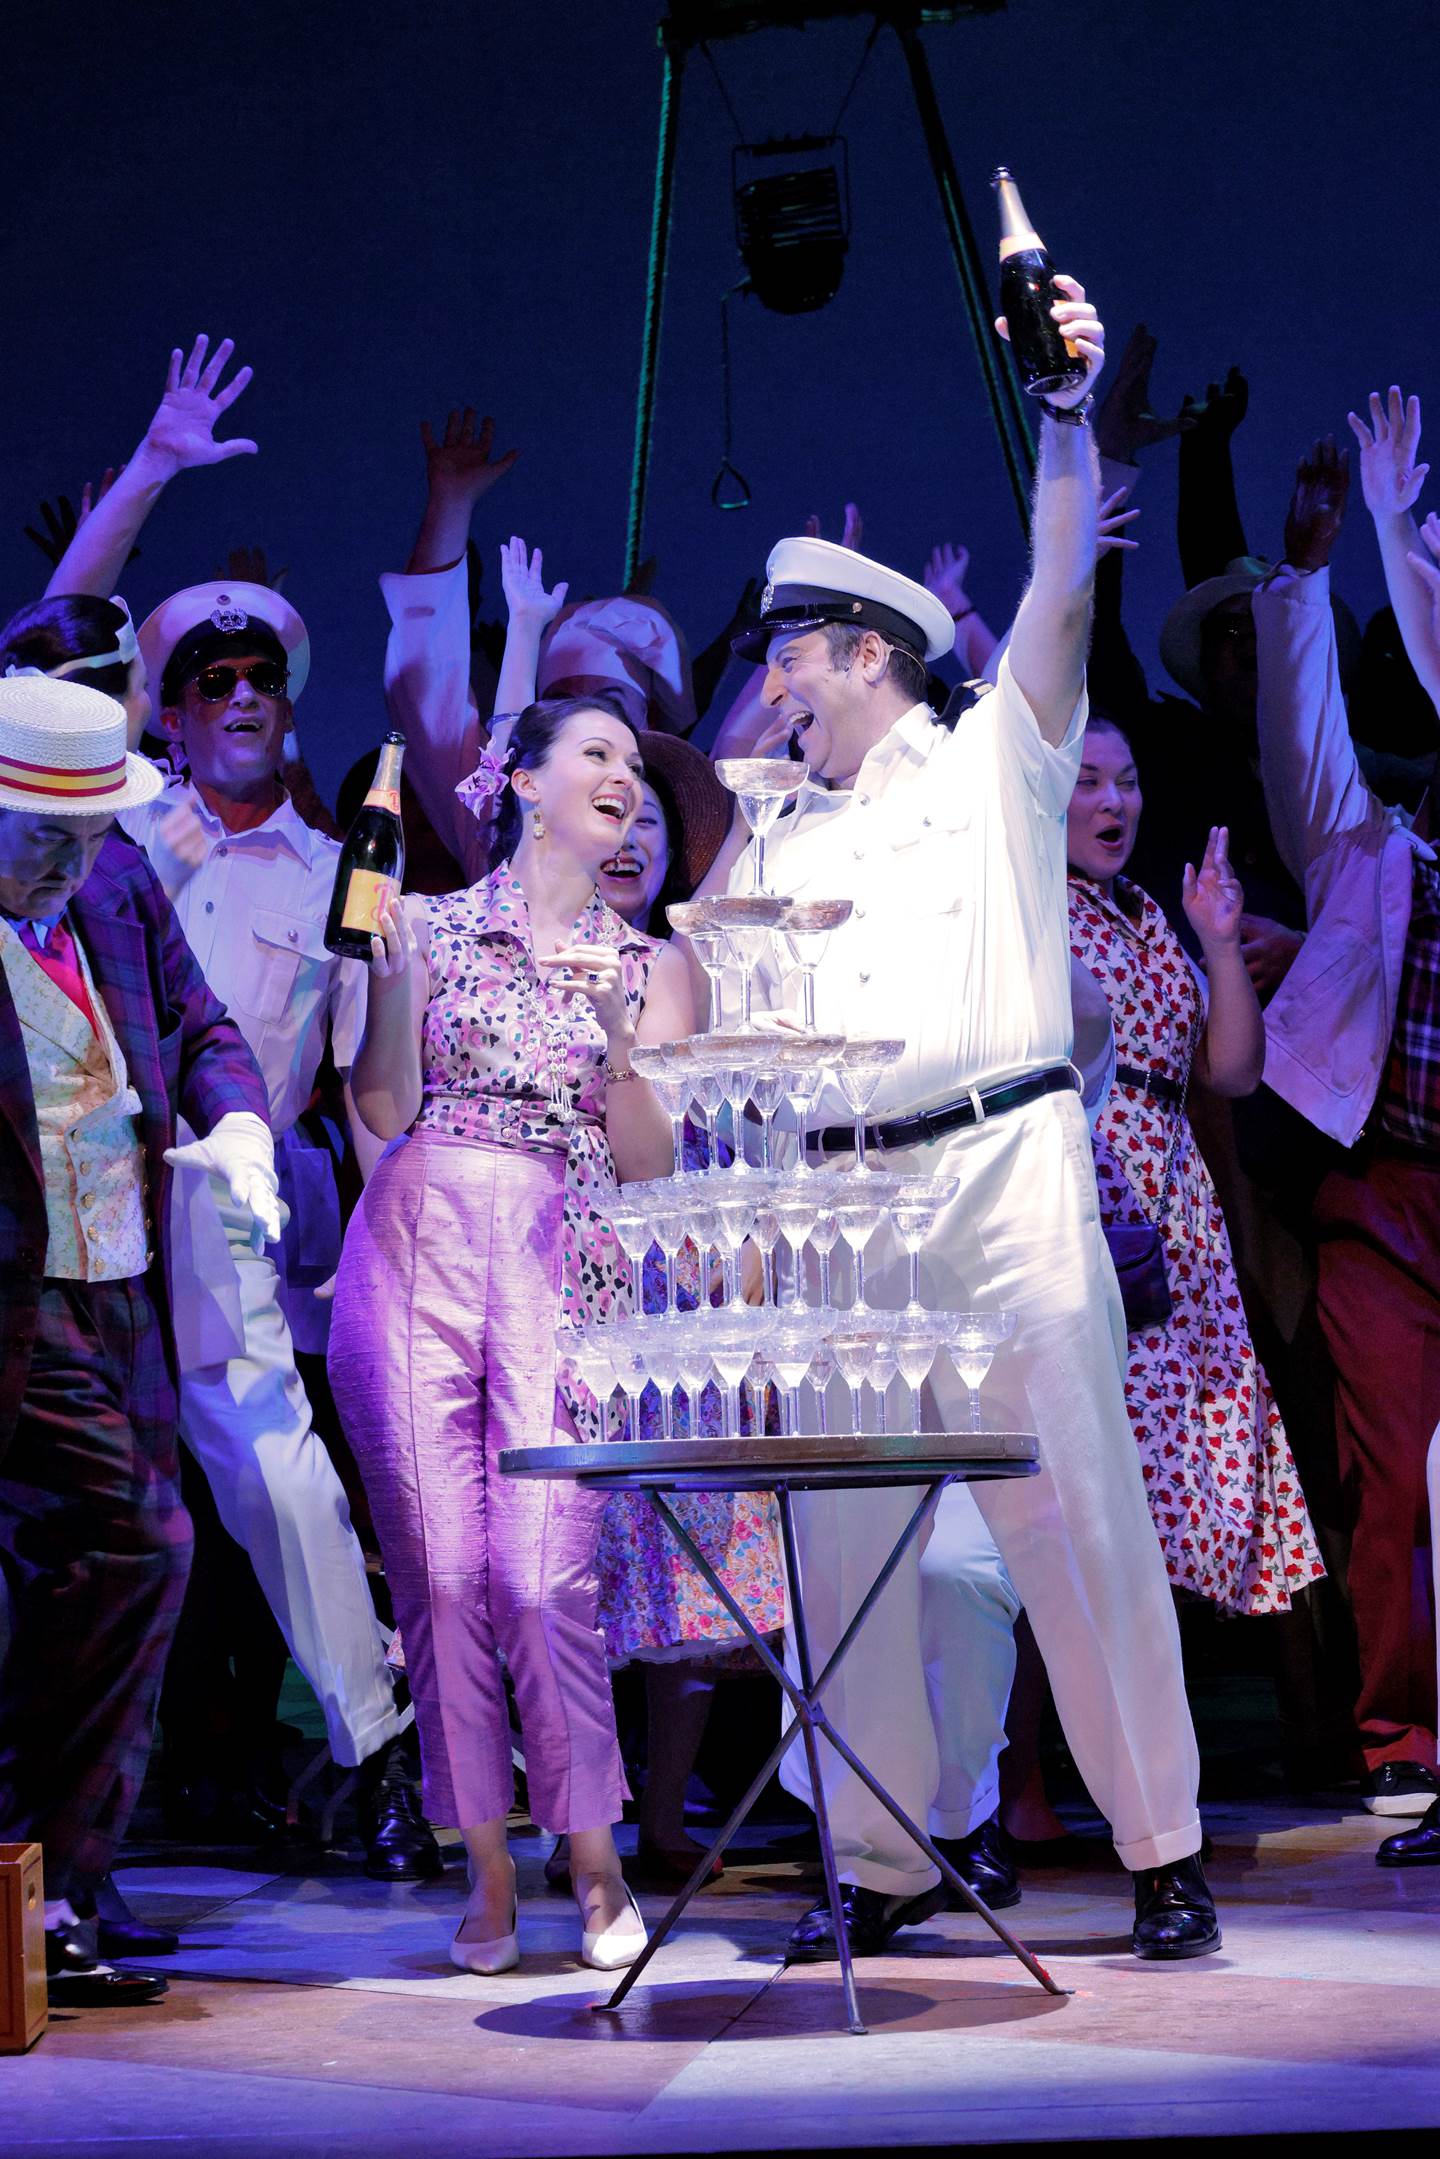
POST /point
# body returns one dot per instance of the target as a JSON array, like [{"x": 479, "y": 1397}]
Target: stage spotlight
[{"x": 792, "y": 219}]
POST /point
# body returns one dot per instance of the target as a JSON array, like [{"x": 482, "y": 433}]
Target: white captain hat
[
  {"x": 810, "y": 582},
  {"x": 216, "y": 621}
]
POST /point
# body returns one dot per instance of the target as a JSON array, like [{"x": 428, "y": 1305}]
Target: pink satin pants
[{"x": 441, "y": 1354}]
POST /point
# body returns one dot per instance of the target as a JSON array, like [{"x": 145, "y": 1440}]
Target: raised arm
[
  {"x": 1208, "y": 527},
  {"x": 459, "y": 469},
  {"x": 1231, "y": 1055},
  {"x": 1052, "y": 627},
  {"x": 180, "y": 435},
  {"x": 1391, "y": 479},
  {"x": 530, "y": 610}
]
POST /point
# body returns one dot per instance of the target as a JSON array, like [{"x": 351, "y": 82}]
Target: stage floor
[{"x": 319, "y": 2014}]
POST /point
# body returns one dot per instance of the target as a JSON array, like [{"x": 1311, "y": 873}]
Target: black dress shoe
[
  {"x": 399, "y": 1843},
  {"x": 76, "y": 1979},
  {"x": 1400, "y": 1788},
  {"x": 118, "y": 1933},
  {"x": 1417, "y": 1847},
  {"x": 983, "y": 1860},
  {"x": 871, "y": 1919},
  {"x": 1174, "y": 1911}
]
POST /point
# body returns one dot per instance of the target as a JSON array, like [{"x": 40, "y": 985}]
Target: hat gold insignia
[{"x": 227, "y": 617}]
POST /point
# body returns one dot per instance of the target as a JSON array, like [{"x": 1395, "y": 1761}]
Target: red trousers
[{"x": 1378, "y": 1226}]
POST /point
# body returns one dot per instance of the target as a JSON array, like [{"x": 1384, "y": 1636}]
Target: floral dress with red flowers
[{"x": 1219, "y": 1475}]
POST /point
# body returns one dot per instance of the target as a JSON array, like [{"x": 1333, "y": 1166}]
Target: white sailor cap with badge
[
  {"x": 812, "y": 582},
  {"x": 211, "y": 622}
]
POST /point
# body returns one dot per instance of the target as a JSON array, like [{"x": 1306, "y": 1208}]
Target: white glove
[{"x": 240, "y": 1149}]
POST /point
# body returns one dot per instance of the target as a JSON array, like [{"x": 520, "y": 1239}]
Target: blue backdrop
[{"x": 393, "y": 210}]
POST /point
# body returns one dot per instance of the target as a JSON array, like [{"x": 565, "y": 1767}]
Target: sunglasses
[{"x": 266, "y": 677}]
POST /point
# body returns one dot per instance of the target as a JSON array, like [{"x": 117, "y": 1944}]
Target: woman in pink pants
[{"x": 497, "y": 1040}]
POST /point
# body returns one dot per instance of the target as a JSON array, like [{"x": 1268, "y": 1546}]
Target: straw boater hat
[
  {"x": 216, "y": 622},
  {"x": 810, "y": 582},
  {"x": 62, "y": 751}
]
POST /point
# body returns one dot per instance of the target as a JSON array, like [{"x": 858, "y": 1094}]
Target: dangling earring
[{"x": 537, "y": 825}]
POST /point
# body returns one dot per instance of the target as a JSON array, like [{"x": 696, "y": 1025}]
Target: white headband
[{"x": 125, "y": 649}]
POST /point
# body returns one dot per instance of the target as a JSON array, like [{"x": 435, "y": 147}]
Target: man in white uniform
[
  {"x": 952, "y": 844},
  {"x": 226, "y": 662}
]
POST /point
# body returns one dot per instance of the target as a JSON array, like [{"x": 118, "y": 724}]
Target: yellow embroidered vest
[{"x": 85, "y": 1108}]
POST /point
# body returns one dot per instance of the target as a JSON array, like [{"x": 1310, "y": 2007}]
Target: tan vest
[{"x": 85, "y": 1108}]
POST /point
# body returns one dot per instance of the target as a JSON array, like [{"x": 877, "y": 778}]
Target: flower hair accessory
[{"x": 479, "y": 790}]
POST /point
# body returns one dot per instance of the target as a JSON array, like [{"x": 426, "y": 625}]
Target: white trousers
[
  {"x": 248, "y": 1424},
  {"x": 1023, "y": 1235}
]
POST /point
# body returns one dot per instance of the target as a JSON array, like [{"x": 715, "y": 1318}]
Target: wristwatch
[{"x": 1070, "y": 415}]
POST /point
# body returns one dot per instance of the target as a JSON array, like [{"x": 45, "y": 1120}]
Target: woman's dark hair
[
  {"x": 676, "y": 886},
  {"x": 72, "y": 626},
  {"x": 531, "y": 741}
]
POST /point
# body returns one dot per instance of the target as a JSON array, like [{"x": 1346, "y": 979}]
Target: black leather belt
[
  {"x": 1158, "y": 1084},
  {"x": 931, "y": 1124}
]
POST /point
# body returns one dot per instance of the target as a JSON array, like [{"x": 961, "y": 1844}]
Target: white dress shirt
[
  {"x": 254, "y": 915},
  {"x": 952, "y": 845}
]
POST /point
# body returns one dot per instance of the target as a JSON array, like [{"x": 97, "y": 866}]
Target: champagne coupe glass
[
  {"x": 803, "y": 1062},
  {"x": 858, "y": 1219},
  {"x": 700, "y": 1219},
  {"x": 589, "y": 1350},
  {"x": 765, "y": 1236},
  {"x": 692, "y": 919},
  {"x": 631, "y": 1225},
  {"x": 758, "y": 1381},
  {"x": 823, "y": 1238},
  {"x": 734, "y": 1220},
  {"x": 806, "y": 932},
  {"x": 662, "y": 1354},
  {"x": 767, "y": 1092},
  {"x": 884, "y": 1364},
  {"x": 855, "y": 1355},
  {"x": 696, "y": 1366},
  {"x": 736, "y": 1058},
  {"x": 747, "y": 919},
  {"x": 862, "y": 1065},
  {"x": 653, "y": 1062},
  {"x": 632, "y": 1370},
  {"x": 731, "y": 1349},
  {"x": 972, "y": 1339},
  {"x": 822, "y": 1371},
  {"x": 792, "y": 1351},
  {"x": 917, "y": 1342},
  {"x": 709, "y": 1088},
  {"x": 795, "y": 1214},
  {"x": 914, "y": 1211},
  {"x": 761, "y": 786},
  {"x": 669, "y": 1220}
]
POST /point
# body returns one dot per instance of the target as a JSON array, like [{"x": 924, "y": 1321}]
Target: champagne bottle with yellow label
[
  {"x": 1047, "y": 364},
  {"x": 372, "y": 861}
]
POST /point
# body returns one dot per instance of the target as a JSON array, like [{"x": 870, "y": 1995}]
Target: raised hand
[
  {"x": 524, "y": 587},
  {"x": 944, "y": 575},
  {"x": 1219, "y": 412},
  {"x": 1125, "y": 422},
  {"x": 248, "y": 566},
  {"x": 1317, "y": 507},
  {"x": 182, "y": 433},
  {"x": 62, "y": 520},
  {"x": 1083, "y": 331},
  {"x": 1390, "y": 478},
  {"x": 460, "y": 463},
  {"x": 1427, "y": 569},
  {"x": 1212, "y": 896},
  {"x": 1109, "y": 528},
  {"x": 851, "y": 534}
]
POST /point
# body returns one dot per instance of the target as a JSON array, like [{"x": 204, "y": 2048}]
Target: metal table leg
[{"x": 809, "y": 1720}]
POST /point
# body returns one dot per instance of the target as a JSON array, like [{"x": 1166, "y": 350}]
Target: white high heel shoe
[
  {"x": 490, "y": 1958},
  {"x": 606, "y": 1949}
]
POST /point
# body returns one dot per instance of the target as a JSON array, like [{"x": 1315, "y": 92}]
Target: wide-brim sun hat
[
  {"x": 1180, "y": 638},
  {"x": 702, "y": 805},
  {"x": 224, "y": 611},
  {"x": 812, "y": 582},
  {"x": 63, "y": 753}
]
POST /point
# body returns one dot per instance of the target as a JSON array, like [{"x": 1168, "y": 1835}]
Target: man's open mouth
[{"x": 244, "y": 727}]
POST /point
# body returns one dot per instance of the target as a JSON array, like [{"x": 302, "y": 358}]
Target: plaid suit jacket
[{"x": 184, "y": 1057}]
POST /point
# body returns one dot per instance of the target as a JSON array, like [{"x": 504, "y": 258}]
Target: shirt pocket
[
  {"x": 281, "y": 957},
  {"x": 925, "y": 871}
]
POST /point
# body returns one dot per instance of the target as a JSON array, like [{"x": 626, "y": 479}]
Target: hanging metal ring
[{"x": 731, "y": 490}]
